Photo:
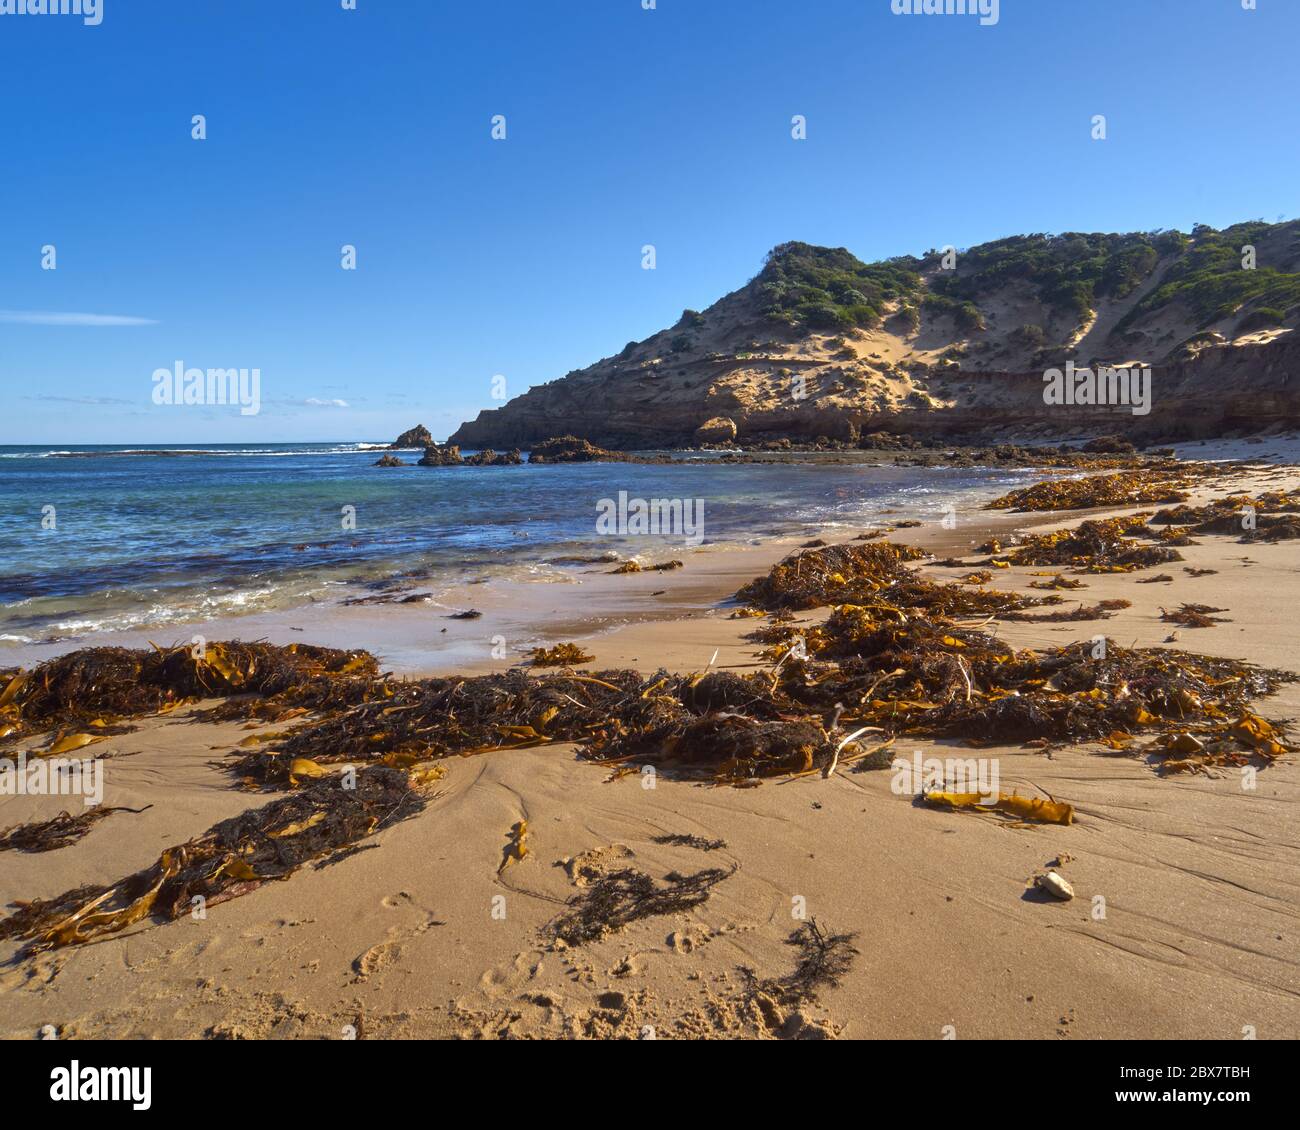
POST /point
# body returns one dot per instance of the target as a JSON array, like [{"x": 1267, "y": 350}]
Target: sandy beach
[{"x": 1184, "y": 923}]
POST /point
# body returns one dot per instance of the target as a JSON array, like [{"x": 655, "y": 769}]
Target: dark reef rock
[
  {"x": 417, "y": 436},
  {"x": 489, "y": 458},
  {"x": 571, "y": 449},
  {"x": 447, "y": 455}
]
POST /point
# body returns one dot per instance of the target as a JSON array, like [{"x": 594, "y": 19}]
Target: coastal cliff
[{"x": 950, "y": 345}]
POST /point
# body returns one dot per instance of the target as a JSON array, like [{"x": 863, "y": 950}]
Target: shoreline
[
  {"x": 1196, "y": 876},
  {"x": 587, "y": 604}
]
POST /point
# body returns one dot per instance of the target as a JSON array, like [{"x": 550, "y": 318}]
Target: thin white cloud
[
  {"x": 100, "y": 400},
  {"x": 56, "y": 318},
  {"x": 306, "y": 402}
]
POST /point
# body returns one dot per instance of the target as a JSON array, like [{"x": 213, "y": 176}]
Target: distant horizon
[{"x": 446, "y": 433}]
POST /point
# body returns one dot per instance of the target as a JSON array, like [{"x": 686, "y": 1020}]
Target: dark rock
[
  {"x": 417, "y": 436},
  {"x": 388, "y": 461},
  {"x": 571, "y": 449},
  {"x": 447, "y": 455},
  {"x": 489, "y": 458},
  {"x": 1109, "y": 445},
  {"x": 888, "y": 441}
]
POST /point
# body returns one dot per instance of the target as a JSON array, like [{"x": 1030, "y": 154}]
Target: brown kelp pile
[
  {"x": 561, "y": 655},
  {"x": 106, "y": 684},
  {"x": 912, "y": 668},
  {"x": 829, "y": 576},
  {"x": 1269, "y": 516},
  {"x": 1193, "y": 615},
  {"x": 1107, "y": 545},
  {"x": 230, "y": 859},
  {"x": 408, "y": 720},
  {"x": 1129, "y": 488},
  {"x": 637, "y": 567},
  {"x": 873, "y": 575}
]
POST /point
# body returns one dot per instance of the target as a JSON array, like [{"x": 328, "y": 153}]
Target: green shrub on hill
[
  {"x": 830, "y": 288},
  {"x": 965, "y": 315},
  {"x": 803, "y": 288},
  {"x": 1068, "y": 272},
  {"x": 1211, "y": 282}
]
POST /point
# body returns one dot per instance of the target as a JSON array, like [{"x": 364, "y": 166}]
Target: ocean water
[{"x": 137, "y": 538}]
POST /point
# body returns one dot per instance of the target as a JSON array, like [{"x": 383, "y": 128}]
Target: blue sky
[{"x": 523, "y": 257}]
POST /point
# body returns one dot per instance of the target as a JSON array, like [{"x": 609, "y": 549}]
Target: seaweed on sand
[
  {"x": 441, "y": 717},
  {"x": 1193, "y": 615},
  {"x": 107, "y": 683},
  {"x": 619, "y": 898},
  {"x": 833, "y": 575},
  {"x": 637, "y": 567},
  {"x": 874, "y": 575},
  {"x": 59, "y": 832},
  {"x": 1059, "y": 581},
  {"x": 1197, "y": 747},
  {"x": 824, "y": 958},
  {"x": 729, "y": 747},
  {"x": 683, "y": 839},
  {"x": 1269, "y": 516},
  {"x": 1096, "y": 546},
  {"x": 230, "y": 859},
  {"x": 561, "y": 655},
  {"x": 1102, "y": 610},
  {"x": 898, "y": 654},
  {"x": 1128, "y": 488},
  {"x": 1071, "y": 694},
  {"x": 909, "y": 668}
]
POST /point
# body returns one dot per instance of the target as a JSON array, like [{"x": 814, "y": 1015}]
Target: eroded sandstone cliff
[{"x": 820, "y": 344}]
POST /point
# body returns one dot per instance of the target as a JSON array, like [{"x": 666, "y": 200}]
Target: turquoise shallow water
[{"x": 151, "y": 537}]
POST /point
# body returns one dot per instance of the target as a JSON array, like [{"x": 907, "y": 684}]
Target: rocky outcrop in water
[
  {"x": 388, "y": 461},
  {"x": 417, "y": 436},
  {"x": 444, "y": 455},
  {"x": 489, "y": 458},
  {"x": 571, "y": 449}
]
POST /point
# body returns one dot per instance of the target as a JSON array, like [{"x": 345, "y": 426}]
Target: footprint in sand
[
  {"x": 688, "y": 940},
  {"x": 383, "y": 955},
  {"x": 589, "y": 866},
  {"x": 375, "y": 960},
  {"x": 525, "y": 968}
]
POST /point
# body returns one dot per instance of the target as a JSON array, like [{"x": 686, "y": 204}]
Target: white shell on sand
[{"x": 1055, "y": 885}]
